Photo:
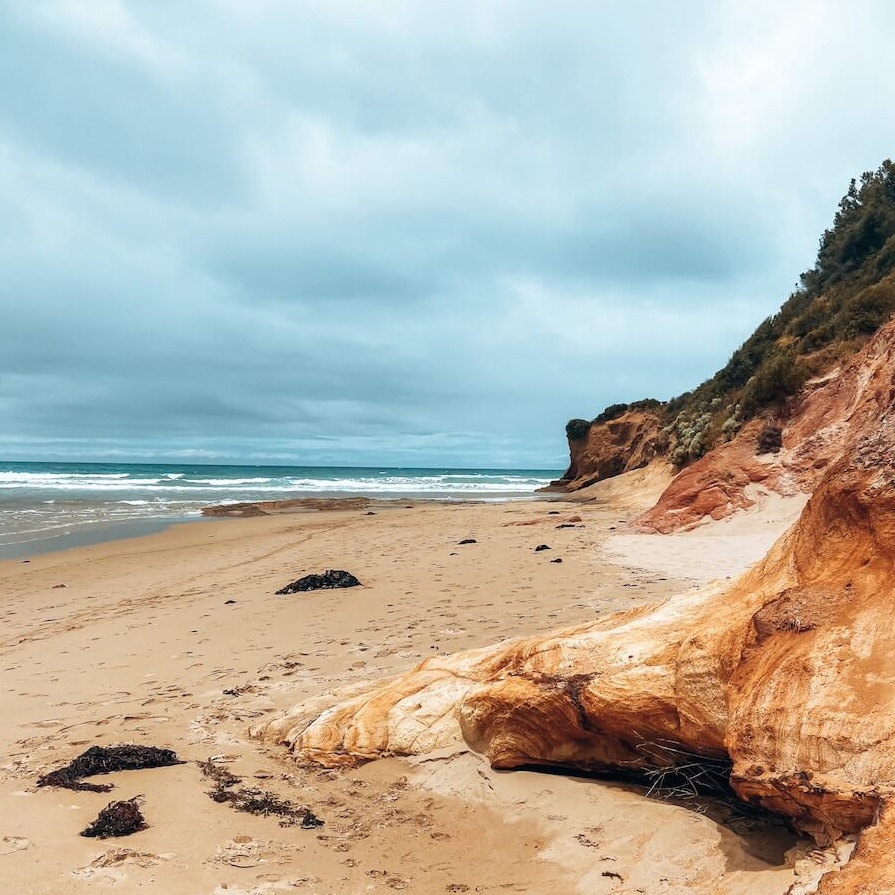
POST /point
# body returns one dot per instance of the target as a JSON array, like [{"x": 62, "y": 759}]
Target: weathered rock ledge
[
  {"x": 629, "y": 442},
  {"x": 292, "y": 505}
]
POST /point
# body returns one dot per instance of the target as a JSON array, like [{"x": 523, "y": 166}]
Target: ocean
[{"x": 53, "y": 506}]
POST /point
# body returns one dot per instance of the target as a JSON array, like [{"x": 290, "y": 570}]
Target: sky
[{"x": 405, "y": 233}]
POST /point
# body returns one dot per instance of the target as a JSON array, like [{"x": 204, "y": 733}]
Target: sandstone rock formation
[
  {"x": 290, "y": 505},
  {"x": 789, "y": 672},
  {"x": 629, "y": 442}
]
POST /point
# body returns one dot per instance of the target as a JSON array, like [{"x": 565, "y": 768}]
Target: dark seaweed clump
[
  {"x": 117, "y": 819},
  {"x": 104, "y": 760},
  {"x": 330, "y": 578},
  {"x": 227, "y": 790}
]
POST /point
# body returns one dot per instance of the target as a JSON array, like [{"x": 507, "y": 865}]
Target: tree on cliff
[{"x": 845, "y": 298}]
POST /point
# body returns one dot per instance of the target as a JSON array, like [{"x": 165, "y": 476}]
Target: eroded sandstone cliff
[
  {"x": 789, "y": 672},
  {"x": 610, "y": 448},
  {"x": 829, "y": 413}
]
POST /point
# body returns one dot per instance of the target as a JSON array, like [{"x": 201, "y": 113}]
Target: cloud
[{"x": 427, "y": 232}]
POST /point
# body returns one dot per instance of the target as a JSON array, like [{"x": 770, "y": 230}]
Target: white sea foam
[
  {"x": 416, "y": 485},
  {"x": 71, "y": 482},
  {"x": 380, "y": 486},
  {"x": 228, "y": 482},
  {"x": 38, "y": 480},
  {"x": 43, "y": 501}
]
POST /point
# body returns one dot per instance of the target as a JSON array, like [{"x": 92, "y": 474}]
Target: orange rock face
[
  {"x": 789, "y": 672},
  {"x": 620, "y": 445},
  {"x": 829, "y": 414},
  {"x": 716, "y": 486}
]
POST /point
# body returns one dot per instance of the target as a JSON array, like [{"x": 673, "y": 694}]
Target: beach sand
[{"x": 177, "y": 640}]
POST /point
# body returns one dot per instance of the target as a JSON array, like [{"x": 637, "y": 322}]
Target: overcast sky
[{"x": 405, "y": 232}]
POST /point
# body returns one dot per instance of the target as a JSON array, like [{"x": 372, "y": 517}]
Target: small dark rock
[
  {"x": 329, "y": 579},
  {"x": 229, "y": 602},
  {"x": 553, "y": 512},
  {"x": 558, "y": 559},
  {"x": 541, "y": 547},
  {"x": 568, "y": 525},
  {"x": 369, "y": 513},
  {"x": 311, "y": 821},
  {"x": 117, "y": 819},
  {"x": 468, "y": 541}
]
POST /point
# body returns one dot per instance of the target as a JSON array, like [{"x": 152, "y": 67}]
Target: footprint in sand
[
  {"x": 106, "y": 867},
  {"x": 246, "y": 852},
  {"x": 9, "y": 845}
]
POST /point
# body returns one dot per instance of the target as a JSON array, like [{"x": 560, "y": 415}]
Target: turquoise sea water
[{"x": 55, "y": 505}]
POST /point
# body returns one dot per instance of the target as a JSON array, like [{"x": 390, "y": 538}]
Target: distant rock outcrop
[
  {"x": 607, "y": 449},
  {"x": 789, "y": 672},
  {"x": 290, "y": 505}
]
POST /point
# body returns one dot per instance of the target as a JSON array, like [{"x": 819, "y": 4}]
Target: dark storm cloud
[{"x": 427, "y": 232}]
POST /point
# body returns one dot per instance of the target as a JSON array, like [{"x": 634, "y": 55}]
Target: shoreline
[
  {"x": 87, "y": 534},
  {"x": 177, "y": 640},
  {"x": 47, "y": 505},
  {"x": 90, "y": 535}
]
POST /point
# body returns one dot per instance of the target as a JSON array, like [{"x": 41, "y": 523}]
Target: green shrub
[
  {"x": 868, "y": 310},
  {"x": 780, "y": 376},
  {"x": 612, "y": 412},
  {"x": 577, "y": 429}
]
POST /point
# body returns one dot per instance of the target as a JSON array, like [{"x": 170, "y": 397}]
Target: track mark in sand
[
  {"x": 388, "y": 879},
  {"x": 10, "y": 845},
  {"x": 106, "y": 867},
  {"x": 246, "y": 852},
  {"x": 292, "y": 544},
  {"x": 178, "y": 590}
]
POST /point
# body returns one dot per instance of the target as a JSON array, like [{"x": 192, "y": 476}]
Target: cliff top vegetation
[{"x": 836, "y": 307}]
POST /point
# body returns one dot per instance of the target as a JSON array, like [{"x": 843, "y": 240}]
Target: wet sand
[{"x": 84, "y": 536}]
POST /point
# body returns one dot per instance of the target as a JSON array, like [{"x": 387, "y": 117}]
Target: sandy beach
[{"x": 178, "y": 640}]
